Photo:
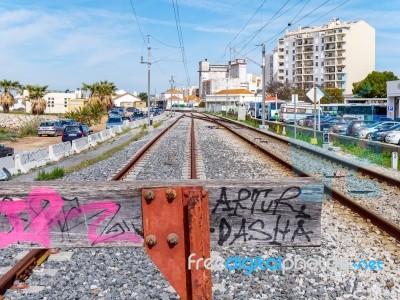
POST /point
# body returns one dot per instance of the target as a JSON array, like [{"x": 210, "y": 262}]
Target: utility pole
[
  {"x": 263, "y": 86},
  {"x": 315, "y": 111},
  {"x": 148, "y": 77},
  {"x": 171, "y": 81}
]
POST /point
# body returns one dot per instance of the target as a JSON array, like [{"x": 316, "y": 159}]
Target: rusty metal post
[{"x": 176, "y": 224}]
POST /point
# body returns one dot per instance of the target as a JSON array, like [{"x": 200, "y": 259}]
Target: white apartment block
[
  {"x": 336, "y": 54},
  {"x": 214, "y": 78}
]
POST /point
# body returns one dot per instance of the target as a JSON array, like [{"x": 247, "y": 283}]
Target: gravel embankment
[{"x": 127, "y": 273}]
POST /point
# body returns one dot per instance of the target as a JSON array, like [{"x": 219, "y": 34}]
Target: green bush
[
  {"x": 29, "y": 129},
  {"x": 54, "y": 174},
  {"x": 6, "y": 135}
]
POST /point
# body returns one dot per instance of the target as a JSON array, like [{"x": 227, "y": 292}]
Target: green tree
[
  {"x": 6, "y": 98},
  {"x": 142, "y": 96},
  {"x": 374, "y": 85},
  {"x": 35, "y": 96},
  {"x": 101, "y": 93},
  {"x": 332, "y": 95}
]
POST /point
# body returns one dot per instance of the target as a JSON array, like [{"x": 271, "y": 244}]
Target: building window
[
  {"x": 287, "y": 73},
  {"x": 294, "y": 44},
  {"x": 323, "y": 40},
  {"x": 316, "y": 48},
  {"x": 287, "y": 51},
  {"x": 322, "y": 48},
  {"x": 316, "y": 57},
  {"x": 316, "y": 64}
]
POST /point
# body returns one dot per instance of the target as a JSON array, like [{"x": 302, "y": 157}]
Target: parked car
[
  {"x": 334, "y": 121},
  {"x": 113, "y": 121},
  {"x": 304, "y": 121},
  {"x": 127, "y": 118},
  {"x": 380, "y": 135},
  {"x": 50, "y": 128},
  {"x": 365, "y": 133},
  {"x": 393, "y": 137},
  {"x": 6, "y": 151},
  {"x": 114, "y": 112},
  {"x": 73, "y": 132},
  {"x": 354, "y": 126},
  {"x": 66, "y": 122}
]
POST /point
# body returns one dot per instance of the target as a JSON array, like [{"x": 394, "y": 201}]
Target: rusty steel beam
[{"x": 176, "y": 224}]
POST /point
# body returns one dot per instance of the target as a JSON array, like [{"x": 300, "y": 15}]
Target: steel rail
[
  {"x": 381, "y": 222},
  {"x": 22, "y": 269},
  {"x": 371, "y": 173},
  {"x": 193, "y": 168},
  {"x": 124, "y": 171}
]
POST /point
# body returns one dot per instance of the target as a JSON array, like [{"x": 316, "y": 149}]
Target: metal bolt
[
  {"x": 151, "y": 240},
  {"x": 170, "y": 194},
  {"x": 172, "y": 239},
  {"x": 149, "y": 195}
]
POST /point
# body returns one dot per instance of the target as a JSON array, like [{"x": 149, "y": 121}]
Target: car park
[
  {"x": 380, "y": 135},
  {"x": 113, "y": 121},
  {"x": 365, "y": 132},
  {"x": 50, "y": 128},
  {"x": 393, "y": 137},
  {"x": 6, "y": 151},
  {"x": 73, "y": 132}
]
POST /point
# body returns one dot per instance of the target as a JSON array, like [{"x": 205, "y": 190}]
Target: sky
[{"x": 63, "y": 44}]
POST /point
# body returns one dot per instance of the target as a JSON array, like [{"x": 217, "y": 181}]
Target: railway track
[
  {"x": 333, "y": 172},
  {"x": 193, "y": 158}
]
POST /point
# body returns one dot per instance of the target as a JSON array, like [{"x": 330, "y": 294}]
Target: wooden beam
[{"x": 269, "y": 212}]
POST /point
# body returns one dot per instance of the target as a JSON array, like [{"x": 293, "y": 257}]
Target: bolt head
[
  {"x": 151, "y": 240},
  {"x": 172, "y": 239},
  {"x": 170, "y": 194},
  {"x": 149, "y": 195}
]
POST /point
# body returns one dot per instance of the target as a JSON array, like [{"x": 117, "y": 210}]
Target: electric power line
[
  {"x": 180, "y": 37},
  {"x": 137, "y": 21}
]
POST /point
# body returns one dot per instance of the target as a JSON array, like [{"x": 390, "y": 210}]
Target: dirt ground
[{"x": 35, "y": 142}]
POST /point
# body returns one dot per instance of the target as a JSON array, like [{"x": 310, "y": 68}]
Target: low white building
[
  {"x": 57, "y": 102},
  {"x": 126, "y": 100},
  {"x": 230, "y": 99},
  {"x": 393, "y": 99}
]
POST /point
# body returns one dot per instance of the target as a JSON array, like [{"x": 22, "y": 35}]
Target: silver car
[{"x": 53, "y": 128}]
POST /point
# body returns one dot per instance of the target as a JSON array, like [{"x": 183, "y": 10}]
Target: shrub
[{"x": 54, "y": 174}]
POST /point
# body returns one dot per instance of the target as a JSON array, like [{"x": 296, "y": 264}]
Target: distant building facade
[
  {"x": 336, "y": 54},
  {"x": 214, "y": 78}
]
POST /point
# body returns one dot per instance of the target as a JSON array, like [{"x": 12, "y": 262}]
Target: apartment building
[
  {"x": 214, "y": 78},
  {"x": 335, "y": 54}
]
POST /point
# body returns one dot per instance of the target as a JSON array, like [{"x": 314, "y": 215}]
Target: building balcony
[
  {"x": 308, "y": 49},
  {"x": 307, "y": 66},
  {"x": 308, "y": 58},
  {"x": 308, "y": 79}
]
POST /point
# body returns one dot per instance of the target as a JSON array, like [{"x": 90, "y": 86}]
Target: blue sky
[{"x": 64, "y": 43}]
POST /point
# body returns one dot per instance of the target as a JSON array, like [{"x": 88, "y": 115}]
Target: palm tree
[
  {"x": 35, "y": 96},
  {"x": 101, "y": 93},
  {"x": 6, "y": 98}
]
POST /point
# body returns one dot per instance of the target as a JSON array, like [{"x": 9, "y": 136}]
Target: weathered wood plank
[{"x": 103, "y": 214}]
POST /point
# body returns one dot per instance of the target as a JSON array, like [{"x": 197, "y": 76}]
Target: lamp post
[{"x": 255, "y": 105}]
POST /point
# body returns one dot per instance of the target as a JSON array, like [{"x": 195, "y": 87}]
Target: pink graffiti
[{"x": 42, "y": 219}]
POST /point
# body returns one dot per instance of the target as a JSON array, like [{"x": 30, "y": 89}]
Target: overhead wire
[
  {"x": 244, "y": 26},
  {"x": 137, "y": 21},
  {"x": 180, "y": 37},
  {"x": 343, "y": 3}
]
